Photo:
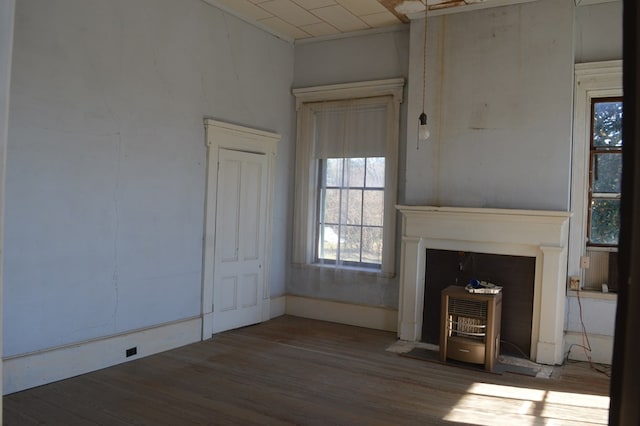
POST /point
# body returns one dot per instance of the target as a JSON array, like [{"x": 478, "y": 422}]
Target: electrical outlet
[
  {"x": 574, "y": 283},
  {"x": 585, "y": 262},
  {"x": 131, "y": 351}
]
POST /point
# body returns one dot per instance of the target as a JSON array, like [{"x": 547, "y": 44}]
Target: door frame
[{"x": 221, "y": 135}]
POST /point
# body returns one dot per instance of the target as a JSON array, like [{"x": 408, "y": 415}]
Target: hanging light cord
[
  {"x": 424, "y": 66},
  {"x": 424, "y": 61}
]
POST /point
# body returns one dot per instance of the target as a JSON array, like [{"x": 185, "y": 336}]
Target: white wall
[
  {"x": 599, "y": 317},
  {"x": 106, "y": 174}
]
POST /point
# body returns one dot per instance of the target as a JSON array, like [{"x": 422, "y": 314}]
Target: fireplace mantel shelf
[
  {"x": 408, "y": 209},
  {"x": 535, "y": 233}
]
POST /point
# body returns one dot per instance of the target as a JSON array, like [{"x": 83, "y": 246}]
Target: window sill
[
  {"x": 593, "y": 294},
  {"x": 602, "y": 248},
  {"x": 344, "y": 269}
]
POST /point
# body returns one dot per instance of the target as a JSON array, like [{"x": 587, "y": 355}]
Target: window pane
[
  {"x": 355, "y": 173},
  {"x": 328, "y": 242},
  {"x": 352, "y": 206},
  {"x": 347, "y": 211},
  {"x": 605, "y": 221},
  {"x": 373, "y": 208},
  {"x": 607, "y": 171},
  {"x": 372, "y": 245},
  {"x": 607, "y": 124},
  {"x": 350, "y": 244},
  {"x": 331, "y": 206},
  {"x": 334, "y": 172},
  {"x": 375, "y": 172}
]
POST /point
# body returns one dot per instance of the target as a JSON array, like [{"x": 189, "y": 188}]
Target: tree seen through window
[
  {"x": 351, "y": 211},
  {"x": 605, "y": 171}
]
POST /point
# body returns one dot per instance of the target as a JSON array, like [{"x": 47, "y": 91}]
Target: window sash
[
  {"x": 595, "y": 151},
  {"x": 343, "y": 222}
]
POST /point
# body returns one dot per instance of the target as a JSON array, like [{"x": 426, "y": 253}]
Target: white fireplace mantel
[{"x": 533, "y": 233}]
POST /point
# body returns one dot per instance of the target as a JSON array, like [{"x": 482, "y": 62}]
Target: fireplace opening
[{"x": 516, "y": 274}]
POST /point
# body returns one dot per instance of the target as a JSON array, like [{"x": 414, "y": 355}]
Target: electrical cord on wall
[{"x": 586, "y": 345}]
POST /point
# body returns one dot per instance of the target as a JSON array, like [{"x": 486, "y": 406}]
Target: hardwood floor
[{"x": 298, "y": 371}]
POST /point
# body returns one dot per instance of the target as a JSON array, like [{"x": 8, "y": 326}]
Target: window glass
[
  {"x": 331, "y": 205},
  {"x": 607, "y": 123},
  {"x": 351, "y": 211},
  {"x": 333, "y": 173},
  {"x": 605, "y": 171},
  {"x": 372, "y": 214},
  {"x": 372, "y": 245},
  {"x": 605, "y": 221},
  {"x": 353, "y": 206},
  {"x": 375, "y": 173},
  {"x": 355, "y": 172}
]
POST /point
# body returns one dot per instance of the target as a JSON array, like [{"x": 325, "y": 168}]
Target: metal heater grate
[{"x": 467, "y": 308}]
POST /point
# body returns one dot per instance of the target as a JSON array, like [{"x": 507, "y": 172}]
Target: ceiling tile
[
  {"x": 380, "y": 19},
  {"x": 284, "y": 28},
  {"x": 360, "y": 7},
  {"x": 290, "y": 12},
  {"x": 340, "y": 18},
  {"x": 314, "y": 4},
  {"x": 320, "y": 29},
  {"x": 246, "y": 9}
]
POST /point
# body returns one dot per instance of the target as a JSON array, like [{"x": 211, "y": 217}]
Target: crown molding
[{"x": 590, "y": 2}]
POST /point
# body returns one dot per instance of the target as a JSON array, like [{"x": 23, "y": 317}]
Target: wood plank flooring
[{"x": 298, "y": 371}]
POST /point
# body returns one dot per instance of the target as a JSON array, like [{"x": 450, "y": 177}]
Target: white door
[{"x": 240, "y": 232}]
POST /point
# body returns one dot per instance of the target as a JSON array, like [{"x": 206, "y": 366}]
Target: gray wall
[
  {"x": 598, "y": 37},
  {"x": 499, "y": 102},
  {"x": 107, "y": 161},
  {"x": 361, "y": 58},
  {"x": 7, "y": 9},
  {"x": 598, "y": 32}
]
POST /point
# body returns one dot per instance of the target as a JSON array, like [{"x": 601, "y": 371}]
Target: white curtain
[{"x": 351, "y": 128}]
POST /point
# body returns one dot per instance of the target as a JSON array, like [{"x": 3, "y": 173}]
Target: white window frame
[
  {"x": 592, "y": 80},
  {"x": 390, "y": 94}
]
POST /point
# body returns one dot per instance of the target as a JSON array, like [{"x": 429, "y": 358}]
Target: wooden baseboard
[
  {"x": 344, "y": 313},
  {"x": 277, "y": 308},
  {"x": 25, "y": 371},
  {"x": 34, "y": 369},
  {"x": 601, "y": 347}
]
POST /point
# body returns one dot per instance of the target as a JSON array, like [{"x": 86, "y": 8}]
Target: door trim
[{"x": 221, "y": 135}]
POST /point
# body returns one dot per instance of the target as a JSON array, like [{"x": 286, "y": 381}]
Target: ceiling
[
  {"x": 295, "y": 20},
  {"x": 302, "y": 19}
]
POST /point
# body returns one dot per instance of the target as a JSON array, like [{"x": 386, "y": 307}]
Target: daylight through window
[
  {"x": 605, "y": 171},
  {"x": 351, "y": 211}
]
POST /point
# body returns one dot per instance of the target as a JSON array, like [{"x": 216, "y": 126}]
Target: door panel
[
  {"x": 228, "y": 210},
  {"x": 227, "y": 294},
  {"x": 249, "y": 290},
  {"x": 240, "y": 239}
]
